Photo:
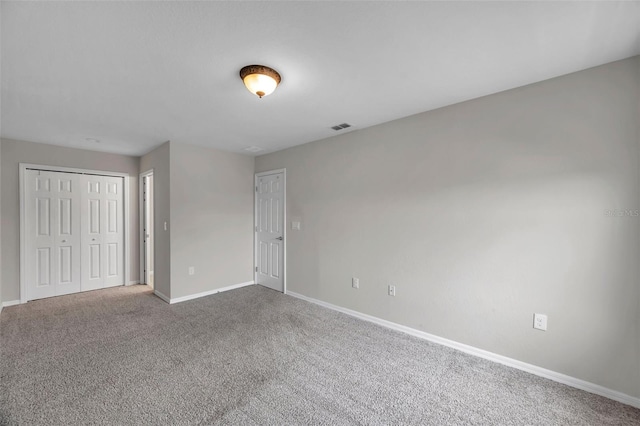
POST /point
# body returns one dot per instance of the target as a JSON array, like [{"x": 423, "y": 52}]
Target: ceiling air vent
[
  {"x": 253, "y": 149},
  {"x": 341, "y": 126}
]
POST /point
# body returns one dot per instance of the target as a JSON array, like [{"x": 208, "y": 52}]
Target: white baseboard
[
  {"x": 161, "y": 296},
  {"x": 208, "y": 293},
  {"x": 134, "y": 282},
  {"x": 510, "y": 362},
  {"x": 10, "y": 303}
]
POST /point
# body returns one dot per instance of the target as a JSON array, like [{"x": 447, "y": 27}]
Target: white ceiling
[{"x": 136, "y": 74}]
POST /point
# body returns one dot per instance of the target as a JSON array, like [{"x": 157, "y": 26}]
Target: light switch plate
[{"x": 295, "y": 225}]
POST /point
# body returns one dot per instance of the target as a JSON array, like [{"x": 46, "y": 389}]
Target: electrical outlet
[
  {"x": 192, "y": 270},
  {"x": 355, "y": 283},
  {"x": 392, "y": 290},
  {"x": 540, "y": 322}
]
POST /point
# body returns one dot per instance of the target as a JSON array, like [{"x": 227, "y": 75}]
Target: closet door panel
[
  {"x": 52, "y": 232},
  {"x": 92, "y": 226},
  {"x": 113, "y": 235},
  {"x": 67, "y": 233},
  {"x": 103, "y": 232}
]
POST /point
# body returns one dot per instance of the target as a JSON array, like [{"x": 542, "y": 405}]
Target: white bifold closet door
[
  {"x": 52, "y": 213},
  {"x": 74, "y": 233},
  {"x": 102, "y": 217}
]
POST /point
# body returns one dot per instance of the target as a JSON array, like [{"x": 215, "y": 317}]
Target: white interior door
[
  {"x": 102, "y": 232},
  {"x": 270, "y": 192},
  {"x": 52, "y": 225}
]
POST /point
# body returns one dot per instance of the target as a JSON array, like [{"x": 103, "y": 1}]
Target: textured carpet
[{"x": 255, "y": 356}]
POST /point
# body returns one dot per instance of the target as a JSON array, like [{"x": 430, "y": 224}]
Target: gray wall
[
  {"x": 16, "y": 152},
  {"x": 212, "y": 219},
  {"x": 481, "y": 214},
  {"x": 158, "y": 160}
]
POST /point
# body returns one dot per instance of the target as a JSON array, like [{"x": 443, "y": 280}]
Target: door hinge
[
  {"x": 256, "y": 229},
  {"x": 256, "y": 269},
  {"x": 256, "y": 189}
]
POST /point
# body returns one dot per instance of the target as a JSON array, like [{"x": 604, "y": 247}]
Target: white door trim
[
  {"x": 127, "y": 243},
  {"x": 284, "y": 227},
  {"x": 143, "y": 278}
]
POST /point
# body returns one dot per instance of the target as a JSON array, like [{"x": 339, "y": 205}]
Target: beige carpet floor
[{"x": 253, "y": 356}]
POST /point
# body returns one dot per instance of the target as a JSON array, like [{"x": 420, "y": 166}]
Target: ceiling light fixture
[
  {"x": 253, "y": 149},
  {"x": 259, "y": 79}
]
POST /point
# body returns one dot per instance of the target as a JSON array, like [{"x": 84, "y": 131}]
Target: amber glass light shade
[{"x": 259, "y": 79}]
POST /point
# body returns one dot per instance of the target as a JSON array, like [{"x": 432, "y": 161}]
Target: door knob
[
  {"x": 64, "y": 241},
  {"x": 279, "y": 238}
]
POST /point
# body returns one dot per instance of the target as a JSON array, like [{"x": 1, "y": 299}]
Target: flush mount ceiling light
[{"x": 260, "y": 80}]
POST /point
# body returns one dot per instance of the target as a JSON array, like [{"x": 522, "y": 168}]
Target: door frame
[
  {"x": 22, "y": 189},
  {"x": 284, "y": 225},
  {"x": 141, "y": 211}
]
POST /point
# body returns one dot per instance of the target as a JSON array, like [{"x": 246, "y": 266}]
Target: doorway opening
[{"x": 147, "y": 221}]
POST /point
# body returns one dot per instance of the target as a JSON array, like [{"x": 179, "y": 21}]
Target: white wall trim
[
  {"x": 208, "y": 293},
  {"x": 126, "y": 202},
  {"x": 11, "y": 303},
  {"x": 141, "y": 220},
  {"x": 127, "y": 230},
  {"x": 161, "y": 296},
  {"x": 133, "y": 282},
  {"x": 23, "y": 267},
  {"x": 284, "y": 227},
  {"x": 510, "y": 362}
]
